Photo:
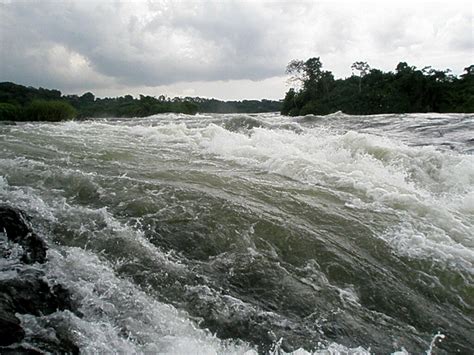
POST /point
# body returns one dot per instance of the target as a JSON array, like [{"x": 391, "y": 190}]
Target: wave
[
  {"x": 156, "y": 225},
  {"x": 434, "y": 189}
]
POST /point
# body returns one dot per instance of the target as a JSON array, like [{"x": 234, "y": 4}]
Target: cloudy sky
[{"x": 223, "y": 49}]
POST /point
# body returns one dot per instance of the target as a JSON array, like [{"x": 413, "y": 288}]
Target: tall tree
[
  {"x": 408, "y": 89},
  {"x": 363, "y": 68},
  {"x": 305, "y": 73}
]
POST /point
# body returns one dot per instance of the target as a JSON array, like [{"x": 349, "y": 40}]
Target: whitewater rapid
[{"x": 241, "y": 234}]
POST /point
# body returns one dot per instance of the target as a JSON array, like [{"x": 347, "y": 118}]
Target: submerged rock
[
  {"x": 28, "y": 293},
  {"x": 23, "y": 285},
  {"x": 242, "y": 124},
  {"x": 10, "y": 328},
  {"x": 13, "y": 223}
]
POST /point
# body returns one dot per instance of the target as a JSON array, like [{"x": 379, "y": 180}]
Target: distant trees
[
  {"x": 38, "y": 110},
  {"x": 307, "y": 73},
  {"x": 314, "y": 82},
  {"x": 373, "y": 91},
  {"x": 21, "y": 103},
  {"x": 244, "y": 106},
  {"x": 464, "y": 95},
  {"x": 10, "y": 112},
  {"x": 42, "y": 110},
  {"x": 363, "y": 68},
  {"x": 18, "y": 102},
  {"x": 21, "y": 95}
]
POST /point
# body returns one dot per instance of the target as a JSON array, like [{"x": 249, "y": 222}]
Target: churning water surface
[{"x": 253, "y": 233}]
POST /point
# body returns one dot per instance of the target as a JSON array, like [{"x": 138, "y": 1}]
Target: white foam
[
  {"x": 427, "y": 189},
  {"x": 421, "y": 184},
  {"x": 430, "y": 192},
  {"x": 119, "y": 317}
]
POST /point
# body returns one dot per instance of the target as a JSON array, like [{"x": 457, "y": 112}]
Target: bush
[
  {"x": 41, "y": 110},
  {"x": 9, "y": 112}
]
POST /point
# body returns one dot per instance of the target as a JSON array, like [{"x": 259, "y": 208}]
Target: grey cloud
[
  {"x": 165, "y": 46},
  {"x": 84, "y": 44}
]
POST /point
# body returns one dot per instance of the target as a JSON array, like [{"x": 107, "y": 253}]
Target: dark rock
[
  {"x": 35, "y": 250},
  {"x": 29, "y": 293},
  {"x": 10, "y": 329},
  {"x": 24, "y": 288},
  {"x": 18, "y": 230},
  {"x": 21, "y": 350},
  {"x": 13, "y": 222}
]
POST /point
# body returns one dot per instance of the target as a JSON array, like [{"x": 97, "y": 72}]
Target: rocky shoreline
[{"x": 25, "y": 290}]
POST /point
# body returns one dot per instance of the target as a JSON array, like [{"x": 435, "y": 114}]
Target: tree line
[
  {"x": 372, "y": 91},
  {"x": 18, "y": 102},
  {"x": 315, "y": 91}
]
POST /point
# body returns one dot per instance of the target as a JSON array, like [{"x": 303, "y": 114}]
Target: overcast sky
[{"x": 223, "y": 49}]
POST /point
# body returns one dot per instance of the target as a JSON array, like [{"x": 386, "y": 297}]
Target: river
[{"x": 235, "y": 234}]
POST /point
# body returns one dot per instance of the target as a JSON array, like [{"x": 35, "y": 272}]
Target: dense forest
[
  {"x": 372, "y": 91},
  {"x": 316, "y": 91},
  {"x": 18, "y": 102}
]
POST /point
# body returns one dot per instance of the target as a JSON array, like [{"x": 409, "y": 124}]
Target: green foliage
[
  {"x": 373, "y": 91},
  {"x": 363, "y": 68},
  {"x": 10, "y": 112},
  {"x": 23, "y": 105},
  {"x": 41, "y": 110},
  {"x": 244, "y": 106},
  {"x": 22, "y": 95},
  {"x": 289, "y": 102},
  {"x": 127, "y": 106}
]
